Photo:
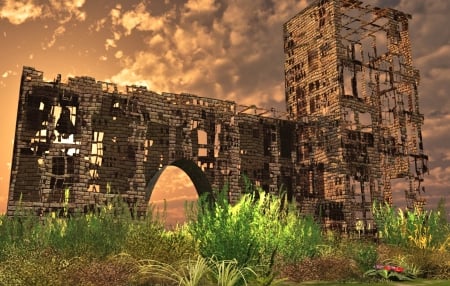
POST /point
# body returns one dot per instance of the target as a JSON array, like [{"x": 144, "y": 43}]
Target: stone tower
[{"x": 349, "y": 77}]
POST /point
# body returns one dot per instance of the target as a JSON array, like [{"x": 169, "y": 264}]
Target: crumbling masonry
[{"x": 352, "y": 126}]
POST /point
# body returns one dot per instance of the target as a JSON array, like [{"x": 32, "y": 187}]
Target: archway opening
[{"x": 172, "y": 192}]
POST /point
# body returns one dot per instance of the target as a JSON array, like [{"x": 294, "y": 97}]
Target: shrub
[
  {"x": 199, "y": 271},
  {"x": 225, "y": 231},
  {"x": 300, "y": 238},
  {"x": 420, "y": 229},
  {"x": 258, "y": 228},
  {"x": 432, "y": 264},
  {"x": 149, "y": 240},
  {"x": 364, "y": 253}
]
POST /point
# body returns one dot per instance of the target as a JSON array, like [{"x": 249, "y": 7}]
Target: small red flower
[{"x": 397, "y": 269}]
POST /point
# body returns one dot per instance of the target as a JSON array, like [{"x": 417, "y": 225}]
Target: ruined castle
[{"x": 352, "y": 126}]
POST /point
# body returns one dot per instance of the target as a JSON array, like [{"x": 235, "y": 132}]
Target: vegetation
[{"x": 260, "y": 240}]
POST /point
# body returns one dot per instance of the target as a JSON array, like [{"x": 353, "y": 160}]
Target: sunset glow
[{"x": 173, "y": 192}]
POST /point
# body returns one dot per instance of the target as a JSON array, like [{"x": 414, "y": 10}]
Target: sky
[{"x": 230, "y": 50}]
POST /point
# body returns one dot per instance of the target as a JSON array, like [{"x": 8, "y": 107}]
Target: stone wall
[
  {"x": 352, "y": 126},
  {"x": 86, "y": 137}
]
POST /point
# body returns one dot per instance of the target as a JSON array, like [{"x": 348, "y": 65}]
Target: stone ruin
[{"x": 352, "y": 126}]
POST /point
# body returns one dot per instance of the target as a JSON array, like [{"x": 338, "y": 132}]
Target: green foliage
[
  {"x": 253, "y": 241},
  {"x": 96, "y": 235},
  {"x": 255, "y": 231},
  {"x": 420, "y": 229},
  {"x": 393, "y": 269},
  {"x": 364, "y": 253},
  {"x": 149, "y": 240},
  {"x": 228, "y": 273},
  {"x": 410, "y": 269},
  {"x": 224, "y": 231},
  {"x": 424, "y": 235},
  {"x": 189, "y": 272},
  {"x": 185, "y": 272},
  {"x": 431, "y": 264},
  {"x": 20, "y": 229},
  {"x": 300, "y": 238}
]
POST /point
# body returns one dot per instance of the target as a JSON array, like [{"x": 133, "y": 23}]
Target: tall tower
[{"x": 349, "y": 77}]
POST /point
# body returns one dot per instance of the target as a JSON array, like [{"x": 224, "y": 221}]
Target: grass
[
  {"x": 261, "y": 240},
  {"x": 418, "y": 282}
]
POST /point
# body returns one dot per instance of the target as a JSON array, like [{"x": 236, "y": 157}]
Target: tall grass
[
  {"x": 224, "y": 231},
  {"x": 42, "y": 251},
  {"x": 192, "y": 272},
  {"x": 419, "y": 229},
  {"x": 254, "y": 231},
  {"x": 95, "y": 234},
  {"x": 423, "y": 236},
  {"x": 252, "y": 241}
]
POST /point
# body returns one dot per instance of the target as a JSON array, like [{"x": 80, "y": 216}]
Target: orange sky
[
  {"x": 171, "y": 201},
  {"x": 226, "y": 49}
]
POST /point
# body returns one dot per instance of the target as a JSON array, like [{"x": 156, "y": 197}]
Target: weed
[
  {"x": 419, "y": 229},
  {"x": 254, "y": 230},
  {"x": 362, "y": 252}
]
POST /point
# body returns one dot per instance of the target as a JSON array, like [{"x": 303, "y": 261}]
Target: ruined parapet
[
  {"x": 79, "y": 143},
  {"x": 348, "y": 66}
]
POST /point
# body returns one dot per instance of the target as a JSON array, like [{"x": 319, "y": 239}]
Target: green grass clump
[
  {"x": 260, "y": 240},
  {"x": 258, "y": 229},
  {"x": 419, "y": 228},
  {"x": 191, "y": 272}
]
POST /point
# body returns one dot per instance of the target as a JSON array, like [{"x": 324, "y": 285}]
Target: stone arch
[{"x": 197, "y": 176}]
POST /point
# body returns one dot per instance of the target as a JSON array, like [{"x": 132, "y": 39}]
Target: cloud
[
  {"x": 59, "y": 11},
  {"x": 115, "y": 14},
  {"x": 439, "y": 177},
  {"x": 98, "y": 25},
  {"x": 196, "y": 7},
  {"x": 228, "y": 52},
  {"x": 118, "y": 54},
  {"x": 434, "y": 56},
  {"x": 65, "y": 11},
  {"x": 110, "y": 43},
  {"x": 17, "y": 12},
  {"x": 124, "y": 22},
  {"x": 434, "y": 129},
  {"x": 56, "y": 33},
  {"x": 131, "y": 76},
  {"x": 141, "y": 19},
  {"x": 6, "y": 74}
]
